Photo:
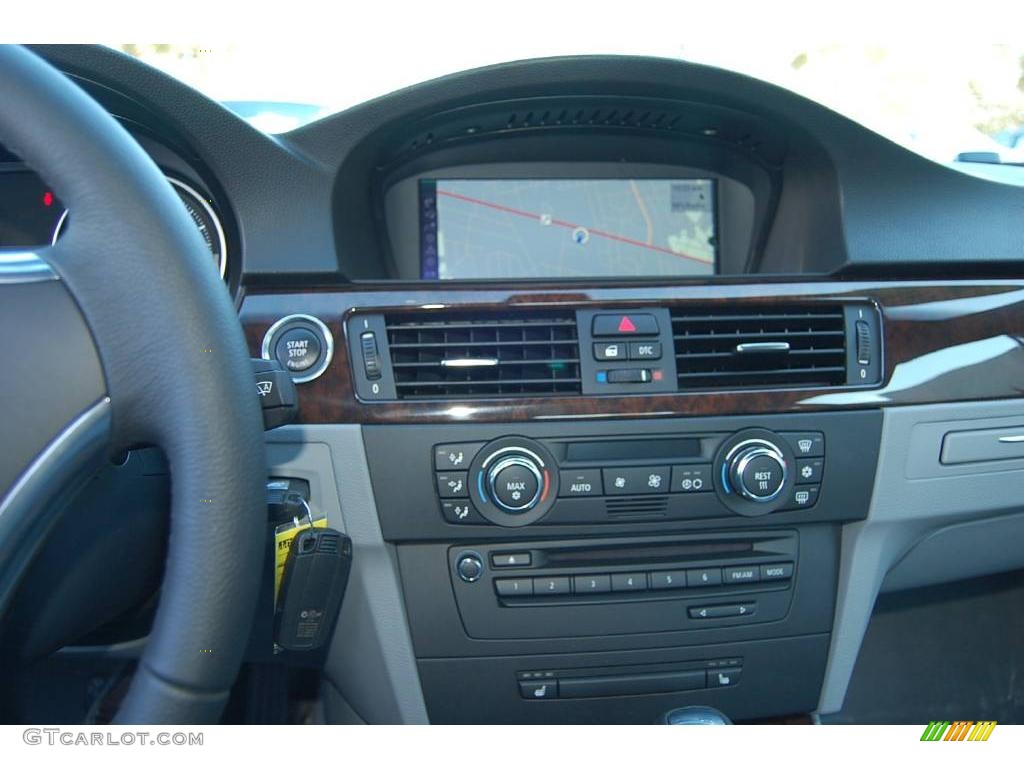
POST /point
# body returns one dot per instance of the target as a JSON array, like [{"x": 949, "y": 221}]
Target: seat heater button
[
  {"x": 720, "y": 678},
  {"x": 538, "y": 689}
]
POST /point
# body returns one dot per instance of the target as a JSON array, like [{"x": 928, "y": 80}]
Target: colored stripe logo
[{"x": 960, "y": 730}]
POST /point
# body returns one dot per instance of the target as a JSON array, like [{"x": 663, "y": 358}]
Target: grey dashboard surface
[
  {"x": 299, "y": 198},
  {"x": 928, "y": 523}
]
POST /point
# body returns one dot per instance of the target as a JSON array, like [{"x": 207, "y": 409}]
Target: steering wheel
[{"x": 123, "y": 334}]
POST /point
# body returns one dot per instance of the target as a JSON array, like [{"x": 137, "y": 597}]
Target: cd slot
[{"x": 646, "y": 554}]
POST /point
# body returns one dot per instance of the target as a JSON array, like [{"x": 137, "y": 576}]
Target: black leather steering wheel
[{"x": 123, "y": 334}]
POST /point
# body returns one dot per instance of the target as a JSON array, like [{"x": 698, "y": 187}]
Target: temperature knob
[
  {"x": 513, "y": 481},
  {"x": 757, "y": 470}
]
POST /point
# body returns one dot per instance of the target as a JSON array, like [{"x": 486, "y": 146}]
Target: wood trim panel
[{"x": 943, "y": 341}]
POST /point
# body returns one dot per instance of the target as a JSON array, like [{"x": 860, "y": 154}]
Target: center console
[{"x": 576, "y": 571}]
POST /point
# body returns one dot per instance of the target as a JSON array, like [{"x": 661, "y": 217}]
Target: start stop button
[
  {"x": 298, "y": 349},
  {"x": 302, "y": 344}
]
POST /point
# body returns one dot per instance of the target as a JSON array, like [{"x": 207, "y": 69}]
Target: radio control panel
[{"x": 584, "y": 587}]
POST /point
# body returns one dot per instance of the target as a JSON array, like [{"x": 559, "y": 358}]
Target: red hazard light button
[{"x": 625, "y": 324}]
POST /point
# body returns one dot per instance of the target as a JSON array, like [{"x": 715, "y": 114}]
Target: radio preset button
[
  {"x": 629, "y": 582},
  {"x": 552, "y": 585},
  {"x": 593, "y": 584},
  {"x": 513, "y": 587},
  {"x": 667, "y": 579},
  {"x": 703, "y": 577}
]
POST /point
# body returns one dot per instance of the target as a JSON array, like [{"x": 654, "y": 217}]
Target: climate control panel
[{"x": 515, "y": 481}]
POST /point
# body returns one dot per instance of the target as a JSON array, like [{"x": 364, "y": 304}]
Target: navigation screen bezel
[{"x": 429, "y": 221}]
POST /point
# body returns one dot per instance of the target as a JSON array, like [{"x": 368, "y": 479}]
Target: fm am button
[{"x": 580, "y": 482}]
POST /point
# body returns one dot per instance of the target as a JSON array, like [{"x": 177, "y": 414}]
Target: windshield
[{"x": 963, "y": 102}]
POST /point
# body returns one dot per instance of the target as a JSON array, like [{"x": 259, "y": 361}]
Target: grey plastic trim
[
  {"x": 914, "y": 497},
  {"x": 371, "y": 660},
  {"x": 24, "y": 267}
]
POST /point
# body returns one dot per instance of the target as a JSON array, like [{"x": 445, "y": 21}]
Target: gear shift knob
[{"x": 696, "y": 715}]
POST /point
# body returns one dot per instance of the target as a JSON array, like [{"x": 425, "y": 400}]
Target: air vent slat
[
  {"x": 459, "y": 355},
  {"x": 726, "y": 349}
]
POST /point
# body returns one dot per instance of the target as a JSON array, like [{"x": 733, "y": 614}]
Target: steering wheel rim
[{"x": 175, "y": 373}]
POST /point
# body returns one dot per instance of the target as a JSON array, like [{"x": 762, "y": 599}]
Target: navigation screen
[{"x": 537, "y": 228}]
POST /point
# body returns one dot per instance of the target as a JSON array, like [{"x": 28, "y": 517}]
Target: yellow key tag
[{"x": 284, "y": 535}]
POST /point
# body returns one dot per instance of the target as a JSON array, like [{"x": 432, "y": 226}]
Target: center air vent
[
  {"x": 483, "y": 355},
  {"x": 729, "y": 348}
]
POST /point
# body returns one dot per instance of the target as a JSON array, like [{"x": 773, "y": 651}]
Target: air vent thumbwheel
[{"x": 513, "y": 481}]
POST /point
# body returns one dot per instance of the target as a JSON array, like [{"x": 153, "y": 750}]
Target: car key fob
[{"x": 312, "y": 588}]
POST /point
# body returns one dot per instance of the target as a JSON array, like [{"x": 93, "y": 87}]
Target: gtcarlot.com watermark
[{"x": 70, "y": 737}]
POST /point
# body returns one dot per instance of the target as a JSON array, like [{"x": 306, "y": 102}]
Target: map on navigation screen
[{"x": 536, "y": 228}]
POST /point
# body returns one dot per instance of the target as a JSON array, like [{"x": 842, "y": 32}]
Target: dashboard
[{"x": 634, "y": 382}]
